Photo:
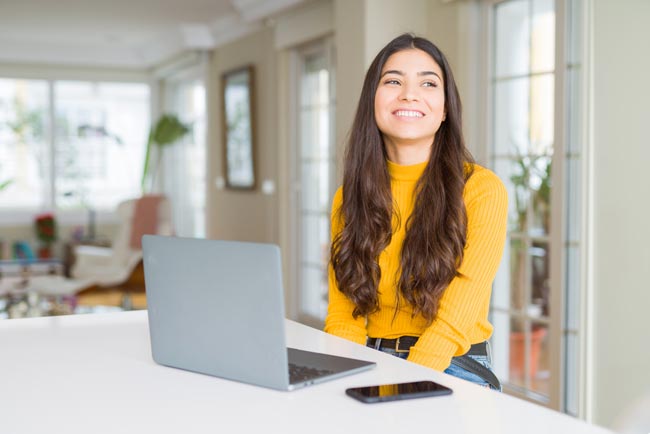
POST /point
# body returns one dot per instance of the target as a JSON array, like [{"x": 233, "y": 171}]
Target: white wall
[
  {"x": 387, "y": 19},
  {"x": 350, "y": 24},
  {"x": 455, "y": 27},
  {"x": 362, "y": 28},
  {"x": 621, "y": 94},
  {"x": 248, "y": 215}
]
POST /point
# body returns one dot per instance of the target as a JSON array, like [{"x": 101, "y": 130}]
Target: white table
[{"x": 94, "y": 373}]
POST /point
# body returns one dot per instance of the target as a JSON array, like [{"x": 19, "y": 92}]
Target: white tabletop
[{"x": 94, "y": 373}]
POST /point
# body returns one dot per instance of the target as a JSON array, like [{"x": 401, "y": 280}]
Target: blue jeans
[
  {"x": 464, "y": 374},
  {"x": 454, "y": 370}
]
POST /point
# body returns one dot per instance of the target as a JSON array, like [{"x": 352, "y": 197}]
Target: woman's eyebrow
[
  {"x": 421, "y": 73},
  {"x": 429, "y": 73},
  {"x": 393, "y": 71}
]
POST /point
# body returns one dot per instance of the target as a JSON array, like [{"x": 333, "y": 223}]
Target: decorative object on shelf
[
  {"x": 46, "y": 232},
  {"x": 5, "y": 253},
  {"x": 237, "y": 107},
  {"x": 21, "y": 250},
  {"x": 168, "y": 130}
]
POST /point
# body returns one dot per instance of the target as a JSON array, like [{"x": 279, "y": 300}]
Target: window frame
[
  {"x": 170, "y": 88},
  {"x": 557, "y": 236},
  {"x": 297, "y": 54}
]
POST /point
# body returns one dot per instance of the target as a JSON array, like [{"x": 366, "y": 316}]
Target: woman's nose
[{"x": 409, "y": 93}]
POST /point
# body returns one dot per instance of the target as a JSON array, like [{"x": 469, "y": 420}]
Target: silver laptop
[{"x": 217, "y": 307}]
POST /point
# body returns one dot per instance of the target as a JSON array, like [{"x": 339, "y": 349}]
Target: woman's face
[{"x": 410, "y": 99}]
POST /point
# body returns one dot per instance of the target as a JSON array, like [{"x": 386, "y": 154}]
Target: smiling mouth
[{"x": 408, "y": 114}]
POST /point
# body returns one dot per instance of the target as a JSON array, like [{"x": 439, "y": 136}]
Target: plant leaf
[{"x": 5, "y": 184}]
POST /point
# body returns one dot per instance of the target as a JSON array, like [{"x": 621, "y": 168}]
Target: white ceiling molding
[
  {"x": 230, "y": 28},
  {"x": 34, "y": 71},
  {"x": 162, "y": 48},
  {"x": 40, "y": 52},
  {"x": 182, "y": 62},
  {"x": 304, "y": 23},
  {"x": 197, "y": 36},
  {"x": 254, "y": 10},
  {"x": 126, "y": 38}
]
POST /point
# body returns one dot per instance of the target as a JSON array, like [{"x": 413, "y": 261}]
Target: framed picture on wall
[{"x": 237, "y": 107}]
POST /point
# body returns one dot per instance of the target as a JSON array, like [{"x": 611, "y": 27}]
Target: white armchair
[{"x": 112, "y": 267}]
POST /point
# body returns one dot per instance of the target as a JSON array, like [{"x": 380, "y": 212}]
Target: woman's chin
[{"x": 412, "y": 140}]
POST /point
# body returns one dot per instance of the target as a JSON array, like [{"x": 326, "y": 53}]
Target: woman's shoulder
[
  {"x": 338, "y": 196},
  {"x": 482, "y": 182},
  {"x": 337, "y": 200}
]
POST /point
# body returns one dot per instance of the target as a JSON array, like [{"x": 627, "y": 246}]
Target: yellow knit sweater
[{"x": 463, "y": 311}]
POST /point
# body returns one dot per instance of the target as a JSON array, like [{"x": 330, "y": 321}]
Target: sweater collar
[{"x": 406, "y": 173}]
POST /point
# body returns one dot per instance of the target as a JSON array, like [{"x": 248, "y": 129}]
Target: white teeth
[{"x": 408, "y": 113}]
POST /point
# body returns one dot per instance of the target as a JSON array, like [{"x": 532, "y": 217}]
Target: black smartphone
[{"x": 394, "y": 392}]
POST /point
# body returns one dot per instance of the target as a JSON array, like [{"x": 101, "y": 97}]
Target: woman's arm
[{"x": 466, "y": 300}]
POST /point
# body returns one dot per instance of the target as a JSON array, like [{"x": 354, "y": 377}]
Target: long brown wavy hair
[{"x": 436, "y": 230}]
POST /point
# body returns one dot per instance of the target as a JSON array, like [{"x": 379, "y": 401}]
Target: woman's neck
[{"x": 406, "y": 154}]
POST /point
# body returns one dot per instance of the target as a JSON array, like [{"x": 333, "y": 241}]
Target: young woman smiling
[{"x": 418, "y": 229}]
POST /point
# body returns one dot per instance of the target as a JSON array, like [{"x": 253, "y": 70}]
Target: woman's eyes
[{"x": 425, "y": 84}]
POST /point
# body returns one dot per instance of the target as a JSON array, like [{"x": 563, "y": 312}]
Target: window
[
  {"x": 522, "y": 148},
  {"x": 24, "y": 156},
  {"x": 92, "y": 158},
  {"x": 535, "y": 148},
  {"x": 101, "y": 133},
  {"x": 185, "y": 161},
  {"x": 314, "y": 176}
]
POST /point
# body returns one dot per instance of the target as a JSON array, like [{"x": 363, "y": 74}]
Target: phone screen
[{"x": 392, "y": 392}]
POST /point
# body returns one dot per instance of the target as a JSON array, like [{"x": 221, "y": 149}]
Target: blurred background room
[{"x": 226, "y": 119}]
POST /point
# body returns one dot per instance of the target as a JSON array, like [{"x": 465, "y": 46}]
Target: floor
[{"x": 113, "y": 298}]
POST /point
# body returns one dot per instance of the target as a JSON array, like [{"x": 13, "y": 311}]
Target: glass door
[
  {"x": 313, "y": 179},
  {"x": 536, "y": 148},
  {"x": 522, "y": 150}
]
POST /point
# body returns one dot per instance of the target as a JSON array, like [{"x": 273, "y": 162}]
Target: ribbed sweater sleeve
[
  {"x": 339, "y": 320},
  {"x": 466, "y": 299}
]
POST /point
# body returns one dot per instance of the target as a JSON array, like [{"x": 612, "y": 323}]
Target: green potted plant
[{"x": 167, "y": 130}]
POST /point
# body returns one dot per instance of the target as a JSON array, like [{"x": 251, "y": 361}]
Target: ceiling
[{"x": 123, "y": 33}]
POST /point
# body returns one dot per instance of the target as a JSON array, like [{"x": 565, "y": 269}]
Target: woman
[{"x": 418, "y": 229}]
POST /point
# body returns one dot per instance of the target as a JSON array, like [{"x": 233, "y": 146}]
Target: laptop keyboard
[{"x": 298, "y": 373}]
